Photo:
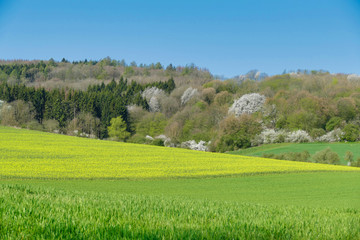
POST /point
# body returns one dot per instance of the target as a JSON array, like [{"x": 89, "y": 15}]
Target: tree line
[{"x": 102, "y": 102}]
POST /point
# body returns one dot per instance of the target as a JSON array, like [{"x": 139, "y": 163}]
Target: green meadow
[{"x": 312, "y": 148}]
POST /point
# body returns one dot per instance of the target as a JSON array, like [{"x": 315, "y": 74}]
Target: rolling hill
[{"x": 56, "y": 186}]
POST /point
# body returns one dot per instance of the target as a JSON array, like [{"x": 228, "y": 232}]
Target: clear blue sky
[{"x": 227, "y": 37}]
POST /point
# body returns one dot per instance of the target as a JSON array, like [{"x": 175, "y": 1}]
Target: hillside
[{"x": 178, "y": 106}]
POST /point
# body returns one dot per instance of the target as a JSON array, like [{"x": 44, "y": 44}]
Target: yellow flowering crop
[{"x": 25, "y": 153}]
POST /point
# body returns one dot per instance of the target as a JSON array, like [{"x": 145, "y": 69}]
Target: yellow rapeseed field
[{"x": 25, "y": 153}]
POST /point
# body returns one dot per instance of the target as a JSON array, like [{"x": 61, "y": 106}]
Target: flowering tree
[
  {"x": 193, "y": 145},
  {"x": 188, "y": 94},
  {"x": 150, "y": 92},
  {"x": 248, "y": 103},
  {"x": 332, "y": 136},
  {"x": 268, "y": 136},
  {"x": 353, "y": 77},
  {"x": 298, "y": 136},
  {"x": 152, "y": 95}
]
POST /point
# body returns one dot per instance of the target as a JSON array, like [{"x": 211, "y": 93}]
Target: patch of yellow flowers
[{"x": 25, "y": 153}]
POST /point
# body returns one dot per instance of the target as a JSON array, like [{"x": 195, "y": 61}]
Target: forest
[{"x": 178, "y": 106}]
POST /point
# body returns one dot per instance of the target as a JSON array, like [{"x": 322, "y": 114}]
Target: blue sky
[{"x": 226, "y": 37}]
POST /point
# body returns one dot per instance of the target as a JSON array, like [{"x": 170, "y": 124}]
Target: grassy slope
[{"x": 312, "y": 148}]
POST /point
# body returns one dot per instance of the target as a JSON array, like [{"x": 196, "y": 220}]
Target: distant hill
[
  {"x": 252, "y": 75},
  {"x": 80, "y": 74}
]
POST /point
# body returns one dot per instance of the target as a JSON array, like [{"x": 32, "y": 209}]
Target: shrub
[
  {"x": 158, "y": 142},
  {"x": 333, "y": 123},
  {"x": 51, "y": 125},
  {"x": 326, "y": 156},
  {"x": 351, "y": 133},
  {"x": 138, "y": 138},
  {"x": 237, "y": 133},
  {"x": 298, "y": 136},
  {"x": 268, "y": 136},
  {"x": 291, "y": 156},
  {"x": 349, "y": 157},
  {"x": 357, "y": 163},
  {"x": 317, "y": 132},
  {"x": 332, "y": 136},
  {"x": 268, "y": 155},
  {"x": 192, "y": 144},
  {"x": 8, "y": 116},
  {"x": 304, "y": 156},
  {"x": 35, "y": 125},
  {"x": 17, "y": 113},
  {"x": 84, "y": 124}
]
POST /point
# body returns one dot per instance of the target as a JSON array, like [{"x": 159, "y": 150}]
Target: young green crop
[
  {"x": 31, "y": 154},
  {"x": 46, "y": 214},
  {"x": 310, "y": 189}
]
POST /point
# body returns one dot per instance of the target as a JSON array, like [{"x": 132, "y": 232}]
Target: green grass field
[
  {"x": 312, "y": 148},
  {"x": 335, "y": 189},
  {"x": 190, "y": 200},
  {"x": 31, "y": 212}
]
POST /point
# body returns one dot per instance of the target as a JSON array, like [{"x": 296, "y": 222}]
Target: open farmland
[
  {"x": 29, "y": 211},
  {"x": 55, "y": 186},
  {"x": 31, "y": 154}
]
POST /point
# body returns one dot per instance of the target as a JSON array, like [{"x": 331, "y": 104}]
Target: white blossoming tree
[
  {"x": 189, "y": 94},
  {"x": 152, "y": 96},
  {"x": 154, "y": 105},
  {"x": 298, "y": 136},
  {"x": 193, "y": 145},
  {"x": 353, "y": 77},
  {"x": 150, "y": 92},
  {"x": 332, "y": 136},
  {"x": 248, "y": 103}
]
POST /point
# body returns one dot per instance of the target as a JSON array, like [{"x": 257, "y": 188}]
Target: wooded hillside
[{"x": 178, "y": 106}]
